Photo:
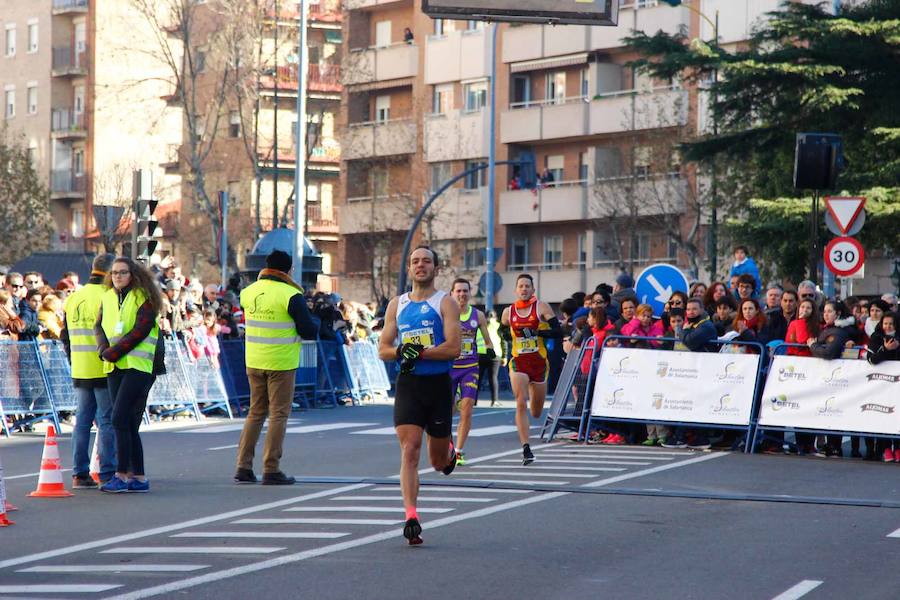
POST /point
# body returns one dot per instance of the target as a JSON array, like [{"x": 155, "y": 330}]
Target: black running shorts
[{"x": 426, "y": 401}]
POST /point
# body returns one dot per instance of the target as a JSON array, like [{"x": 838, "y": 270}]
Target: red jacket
[
  {"x": 797, "y": 334},
  {"x": 599, "y": 335}
]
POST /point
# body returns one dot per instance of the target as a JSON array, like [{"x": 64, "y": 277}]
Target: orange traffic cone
[
  {"x": 95, "y": 460},
  {"x": 50, "y": 481},
  {"x": 4, "y": 522}
]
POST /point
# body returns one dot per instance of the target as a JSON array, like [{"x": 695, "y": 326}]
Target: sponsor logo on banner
[
  {"x": 723, "y": 406},
  {"x": 883, "y": 377},
  {"x": 663, "y": 369},
  {"x": 623, "y": 371},
  {"x": 835, "y": 379},
  {"x": 781, "y": 402},
  {"x": 617, "y": 400},
  {"x": 790, "y": 373},
  {"x": 828, "y": 409},
  {"x": 728, "y": 374},
  {"x": 880, "y": 408},
  {"x": 658, "y": 401}
]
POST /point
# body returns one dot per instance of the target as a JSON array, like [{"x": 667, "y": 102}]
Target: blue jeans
[{"x": 94, "y": 404}]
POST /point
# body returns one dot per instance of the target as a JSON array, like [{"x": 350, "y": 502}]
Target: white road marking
[
  {"x": 117, "y": 568},
  {"x": 326, "y": 427},
  {"x": 895, "y": 534},
  {"x": 109, "y": 541},
  {"x": 487, "y": 457},
  {"x": 193, "y": 550},
  {"x": 399, "y": 498},
  {"x": 475, "y": 432},
  {"x": 799, "y": 590},
  {"x": 650, "y": 471},
  {"x": 26, "y": 475},
  {"x": 581, "y": 462},
  {"x": 516, "y": 482},
  {"x": 375, "y": 538},
  {"x": 525, "y": 473},
  {"x": 451, "y": 488},
  {"x": 379, "y": 431},
  {"x": 616, "y": 450},
  {"x": 72, "y": 588},
  {"x": 557, "y": 468},
  {"x": 625, "y": 455},
  {"x": 261, "y": 534},
  {"x": 316, "y": 522},
  {"x": 228, "y": 447},
  {"x": 361, "y": 509},
  {"x": 215, "y": 429}
]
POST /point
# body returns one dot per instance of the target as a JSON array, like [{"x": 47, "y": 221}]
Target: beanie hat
[
  {"x": 279, "y": 260},
  {"x": 624, "y": 280}
]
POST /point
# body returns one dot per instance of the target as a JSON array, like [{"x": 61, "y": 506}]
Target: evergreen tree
[{"x": 25, "y": 221}]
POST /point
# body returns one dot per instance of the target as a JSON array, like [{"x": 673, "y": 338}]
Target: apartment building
[
  {"x": 613, "y": 191},
  {"x": 80, "y": 93}
]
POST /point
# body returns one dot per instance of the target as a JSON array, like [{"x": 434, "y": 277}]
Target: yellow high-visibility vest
[
  {"x": 119, "y": 321},
  {"x": 82, "y": 308},
  {"x": 271, "y": 339}
]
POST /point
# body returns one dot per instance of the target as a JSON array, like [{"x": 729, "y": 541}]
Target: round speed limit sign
[{"x": 844, "y": 256}]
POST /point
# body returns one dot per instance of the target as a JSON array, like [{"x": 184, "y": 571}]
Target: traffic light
[{"x": 146, "y": 227}]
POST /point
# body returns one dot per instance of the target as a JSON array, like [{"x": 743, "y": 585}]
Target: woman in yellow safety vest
[{"x": 129, "y": 343}]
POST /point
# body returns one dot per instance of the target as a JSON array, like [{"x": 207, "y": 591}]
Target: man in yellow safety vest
[
  {"x": 276, "y": 319},
  {"x": 89, "y": 378}
]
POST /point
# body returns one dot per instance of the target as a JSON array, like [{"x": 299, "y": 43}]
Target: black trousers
[{"x": 128, "y": 390}]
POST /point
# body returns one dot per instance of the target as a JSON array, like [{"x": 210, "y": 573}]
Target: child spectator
[
  {"x": 723, "y": 316},
  {"x": 643, "y": 325}
]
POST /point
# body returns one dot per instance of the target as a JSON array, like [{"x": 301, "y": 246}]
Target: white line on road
[
  {"x": 636, "y": 463},
  {"x": 650, "y": 471},
  {"x": 73, "y": 588},
  {"x": 399, "y": 498},
  {"x": 622, "y": 455},
  {"x": 472, "y": 461},
  {"x": 375, "y": 538},
  {"x": 525, "y": 473},
  {"x": 316, "y": 522},
  {"x": 618, "y": 450},
  {"x": 513, "y": 481},
  {"x": 26, "y": 475},
  {"x": 303, "y": 535},
  {"x": 386, "y": 509},
  {"x": 556, "y": 468},
  {"x": 117, "y": 568},
  {"x": 193, "y": 550},
  {"x": 109, "y": 541},
  {"x": 450, "y": 488},
  {"x": 215, "y": 429},
  {"x": 228, "y": 447},
  {"x": 326, "y": 427},
  {"x": 895, "y": 534},
  {"x": 799, "y": 590}
]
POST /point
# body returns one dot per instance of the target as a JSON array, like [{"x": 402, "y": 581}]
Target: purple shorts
[{"x": 465, "y": 382}]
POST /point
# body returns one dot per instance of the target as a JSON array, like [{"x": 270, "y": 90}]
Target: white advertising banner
[
  {"x": 833, "y": 395},
  {"x": 660, "y": 385}
]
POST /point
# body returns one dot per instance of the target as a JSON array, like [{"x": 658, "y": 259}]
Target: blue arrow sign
[{"x": 656, "y": 283}]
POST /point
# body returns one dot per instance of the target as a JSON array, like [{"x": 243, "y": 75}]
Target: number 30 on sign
[{"x": 844, "y": 256}]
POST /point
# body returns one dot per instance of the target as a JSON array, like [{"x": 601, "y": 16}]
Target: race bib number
[
  {"x": 527, "y": 345},
  {"x": 423, "y": 337},
  {"x": 468, "y": 348}
]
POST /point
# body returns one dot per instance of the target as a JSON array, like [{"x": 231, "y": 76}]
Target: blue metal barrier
[
  {"x": 567, "y": 406},
  {"x": 234, "y": 373},
  {"x": 749, "y": 429},
  {"x": 334, "y": 376},
  {"x": 25, "y": 395}
]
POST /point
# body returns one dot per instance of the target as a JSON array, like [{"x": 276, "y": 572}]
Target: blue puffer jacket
[{"x": 748, "y": 266}]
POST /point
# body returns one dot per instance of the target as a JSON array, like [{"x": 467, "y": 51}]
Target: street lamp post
[{"x": 300, "y": 144}]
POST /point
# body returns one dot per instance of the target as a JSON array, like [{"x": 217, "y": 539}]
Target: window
[
  {"x": 474, "y": 25},
  {"x": 553, "y": 246},
  {"x": 640, "y": 246},
  {"x": 476, "y": 96},
  {"x": 77, "y": 222},
  {"x": 382, "y": 34},
  {"x": 440, "y": 173},
  {"x": 10, "y": 40},
  {"x": 199, "y": 61},
  {"x": 478, "y": 178},
  {"x": 603, "y": 254},
  {"x": 32, "y": 99},
  {"x": 312, "y": 194},
  {"x": 380, "y": 182},
  {"x": 582, "y": 250},
  {"x": 78, "y": 162},
  {"x": 382, "y": 109},
  {"x": 439, "y": 26},
  {"x": 9, "y": 102},
  {"x": 443, "y": 99},
  {"x": 642, "y": 160},
  {"x": 32, "y": 152},
  {"x": 583, "y": 166},
  {"x": 32, "y": 36},
  {"x": 234, "y": 124},
  {"x": 521, "y": 90},
  {"x": 474, "y": 254},
  {"x": 555, "y": 166},
  {"x": 585, "y": 82},
  {"x": 518, "y": 254},
  {"x": 672, "y": 248},
  {"x": 556, "y": 87}
]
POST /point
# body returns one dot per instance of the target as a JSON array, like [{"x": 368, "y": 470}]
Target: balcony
[
  {"x": 377, "y": 215},
  {"x": 653, "y": 195},
  {"x": 70, "y": 7},
  {"x": 322, "y": 77},
  {"x": 368, "y": 65},
  {"x": 458, "y": 135},
  {"x": 384, "y": 138},
  {"x": 69, "y": 63},
  {"x": 66, "y": 124},
  {"x": 614, "y": 112},
  {"x": 66, "y": 184},
  {"x": 362, "y": 4},
  {"x": 457, "y": 55},
  {"x": 324, "y": 11},
  {"x": 322, "y": 219},
  {"x": 532, "y": 42},
  {"x": 460, "y": 214},
  {"x": 556, "y": 203}
]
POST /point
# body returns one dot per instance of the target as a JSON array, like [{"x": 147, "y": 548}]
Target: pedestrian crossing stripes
[
  {"x": 116, "y": 568},
  {"x": 193, "y": 550}
]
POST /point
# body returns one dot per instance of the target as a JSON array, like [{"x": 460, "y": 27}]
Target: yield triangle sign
[{"x": 844, "y": 210}]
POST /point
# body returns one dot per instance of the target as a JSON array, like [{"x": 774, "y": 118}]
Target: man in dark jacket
[{"x": 777, "y": 320}]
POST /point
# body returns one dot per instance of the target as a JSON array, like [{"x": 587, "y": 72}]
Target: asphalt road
[{"x": 624, "y": 522}]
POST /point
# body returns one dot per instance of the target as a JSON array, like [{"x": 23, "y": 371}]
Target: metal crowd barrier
[
  {"x": 173, "y": 393},
  {"x": 368, "y": 375},
  {"x": 567, "y": 406},
  {"x": 25, "y": 391},
  {"x": 209, "y": 387}
]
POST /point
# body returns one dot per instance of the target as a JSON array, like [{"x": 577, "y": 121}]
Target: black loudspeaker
[{"x": 818, "y": 159}]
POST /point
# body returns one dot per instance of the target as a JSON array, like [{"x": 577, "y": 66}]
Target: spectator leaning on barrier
[
  {"x": 877, "y": 310},
  {"x": 779, "y": 319},
  {"x": 745, "y": 287},
  {"x": 277, "y": 317},
  {"x": 884, "y": 345},
  {"x": 89, "y": 379},
  {"x": 750, "y": 324},
  {"x": 744, "y": 265},
  {"x": 49, "y": 317},
  {"x": 714, "y": 293},
  {"x": 133, "y": 355},
  {"x": 11, "y": 325},
  {"x": 16, "y": 286},
  {"x": 807, "y": 290},
  {"x": 29, "y": 314},
  {"x": 34, "y": 280},
  {"x": 773, "y": 297},
  {"x": 643, "y": 325}
]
